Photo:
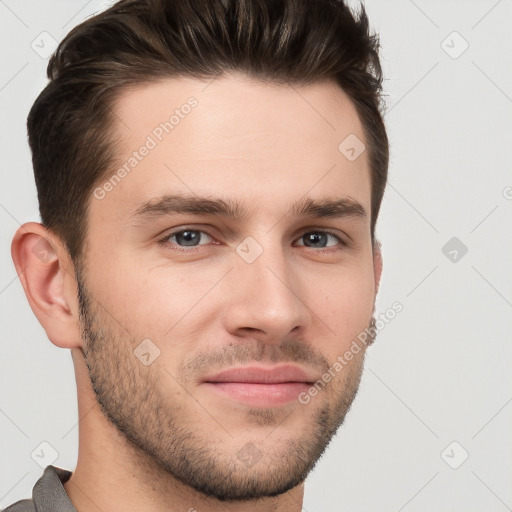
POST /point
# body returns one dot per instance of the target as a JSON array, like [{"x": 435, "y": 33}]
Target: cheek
[
  {"x": 345, "y": 307},
  {"x": 164, "y": 304}
]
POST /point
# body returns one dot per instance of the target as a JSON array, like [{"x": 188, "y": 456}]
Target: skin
[{"x": 154, "y": 437}]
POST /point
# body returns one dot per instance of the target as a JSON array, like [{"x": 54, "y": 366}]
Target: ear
[
  {"x": 377, "y": 264},
  {"x": 48, "y": 278}
]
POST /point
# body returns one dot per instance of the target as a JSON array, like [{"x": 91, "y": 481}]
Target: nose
[{"x": 265, "y": 298}]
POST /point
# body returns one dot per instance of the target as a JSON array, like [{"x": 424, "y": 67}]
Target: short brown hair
[{"x": 141, "y": 41}]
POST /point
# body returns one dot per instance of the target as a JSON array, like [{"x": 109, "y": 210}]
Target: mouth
[{"x": 261, "y": 387}]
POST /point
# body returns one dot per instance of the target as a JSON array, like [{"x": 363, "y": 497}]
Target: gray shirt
[{"x": 48, "y": 494}]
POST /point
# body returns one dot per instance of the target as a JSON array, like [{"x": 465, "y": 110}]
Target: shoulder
[
  {"x": 21, "y": 506},
  {"x": 48, "y": 494}
]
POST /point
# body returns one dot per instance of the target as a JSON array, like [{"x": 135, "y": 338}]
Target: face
[{"x": 261, "y": 259}]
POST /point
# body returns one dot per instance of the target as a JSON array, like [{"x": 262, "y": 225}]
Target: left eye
[
  {"x": 191, "y": 238},
  {"x": 315, "y": 237}
]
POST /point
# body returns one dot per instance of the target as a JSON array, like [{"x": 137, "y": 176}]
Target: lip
[
  {"x": 261, "y": 375},
  {"x": 260, "y": 387}
]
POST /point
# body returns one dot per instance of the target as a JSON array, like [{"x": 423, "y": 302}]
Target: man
[{"x": 209, "y": 178}]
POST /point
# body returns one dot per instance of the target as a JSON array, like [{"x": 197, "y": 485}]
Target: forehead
[
  {"x": 221, "y": 103},
  {"x": 231, "y": 136}
]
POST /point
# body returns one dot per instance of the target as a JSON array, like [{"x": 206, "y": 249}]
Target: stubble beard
[{"x": 166, "y": 441}]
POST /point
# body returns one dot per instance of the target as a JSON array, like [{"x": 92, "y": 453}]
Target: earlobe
[{"x": 44, "y": 269}]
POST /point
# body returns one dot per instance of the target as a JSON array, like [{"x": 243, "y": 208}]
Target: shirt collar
[{"x": 49, "y": 494}]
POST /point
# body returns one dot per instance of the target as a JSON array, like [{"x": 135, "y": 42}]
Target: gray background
[{"x": 440, "y": 372}]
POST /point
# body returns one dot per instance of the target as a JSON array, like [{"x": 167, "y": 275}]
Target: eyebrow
[{"x": 182, "y": 204}]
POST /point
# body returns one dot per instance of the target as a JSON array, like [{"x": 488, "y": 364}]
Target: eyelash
[{"x": 165, "y": 243}]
